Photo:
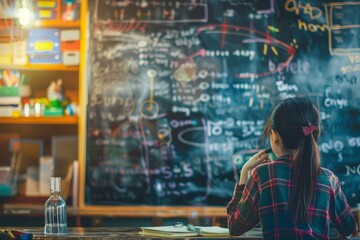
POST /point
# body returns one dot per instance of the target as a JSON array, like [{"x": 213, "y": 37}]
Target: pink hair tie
[{"x": 309, "y": 129}]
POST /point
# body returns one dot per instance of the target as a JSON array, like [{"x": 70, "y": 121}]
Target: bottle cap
[{"x": 55, "y": 184}]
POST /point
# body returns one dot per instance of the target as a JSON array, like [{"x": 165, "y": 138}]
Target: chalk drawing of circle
[
  {"x": 142, "y": 44},
  {"x": 203, "y": 74},
  {"x": 116, "y": 186},
  {"x": 186, "y": 138},
  {"x": 217, "y": 131},
  {"x": 204, "y": 85},
  {"x": 204, "y": 97},
  {"x": 151, "y": 73},
  {"x": 238, "y": 159},
  {"x": 149, "y": 109}
]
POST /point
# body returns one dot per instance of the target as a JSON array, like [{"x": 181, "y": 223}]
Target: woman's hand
[{"x": 254, "y": 161}]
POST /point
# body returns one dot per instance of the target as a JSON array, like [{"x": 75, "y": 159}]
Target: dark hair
[{"x": 288, "y": 119}]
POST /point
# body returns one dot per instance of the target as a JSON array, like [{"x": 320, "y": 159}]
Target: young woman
[{"x": 291, "y": 197}]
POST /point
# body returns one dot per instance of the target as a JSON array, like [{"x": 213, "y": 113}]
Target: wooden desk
[
  {"x": 157, "y": 214},
  {"x": 119, "y": 233},
  {"x": 130, "y": 233}
]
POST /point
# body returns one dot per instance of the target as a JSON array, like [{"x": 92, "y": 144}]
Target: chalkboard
[{"x": 178, "y": 92}]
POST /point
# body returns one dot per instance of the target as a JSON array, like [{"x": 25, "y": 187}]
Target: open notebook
[{"x": 185, "y": 231}]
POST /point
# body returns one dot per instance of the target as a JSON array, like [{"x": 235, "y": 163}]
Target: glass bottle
[{"x": 55, "y": 210}]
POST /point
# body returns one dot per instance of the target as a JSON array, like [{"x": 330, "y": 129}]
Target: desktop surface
[{"x": 128, "y": 233}]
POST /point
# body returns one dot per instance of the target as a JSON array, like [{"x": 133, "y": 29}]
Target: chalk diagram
[
  {"x": 147, "y": 11},
  {"x": 226, "y": 42},
  {"x": 150, "y": 108},
  {"x": 344, "y": 27},
  {"x": 241, "y": 44}
]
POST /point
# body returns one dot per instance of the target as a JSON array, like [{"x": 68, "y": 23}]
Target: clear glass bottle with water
[{"x": 55, "y": 210}]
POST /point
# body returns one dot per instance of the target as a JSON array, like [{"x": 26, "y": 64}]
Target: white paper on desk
[
  {"x": 203, "y": 231},
  {"x": 182, "y": 229},
  {"x": 213, "y": 230}
]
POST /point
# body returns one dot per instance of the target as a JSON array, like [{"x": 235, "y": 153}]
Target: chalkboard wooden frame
[
  {"x": 83, "y": 103},
  {"x": 182, "y": 209}
]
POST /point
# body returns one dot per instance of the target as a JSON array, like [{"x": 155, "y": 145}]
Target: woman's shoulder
[
  {"x": 267, "y": 167},
  {"x": 274, "y": 164},
  {"x": 326, "y": 172},
  {"x": 327, "y": 177}
]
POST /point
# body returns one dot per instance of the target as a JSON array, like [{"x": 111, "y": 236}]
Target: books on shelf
[
  {"x": 9, "y": 92},
  {"x": 185, "y": 231}
]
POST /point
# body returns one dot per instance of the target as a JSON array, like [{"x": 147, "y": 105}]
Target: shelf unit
[
  {"x": 46, "y": 127},
  {"x": 56, "y": 23},
  {"x": 41, "y": 67},
  {"x": 67, "y": 120}
]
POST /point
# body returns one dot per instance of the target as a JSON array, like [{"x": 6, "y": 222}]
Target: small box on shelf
[
  {"x": 70, "y": 38},
  {"x": 71, "y": 58},
  {"x": 6, "y": 54},
  {"x": 9, "y": 111},
  {"x": 12, "y": 91},
  {"x": 46, "y": 9},
  {"x": 45, "y": 14},
  {"x": 70, "y": 46},
  {"x": 44, "y": 46},
  {"x": 53, "y": 112}
]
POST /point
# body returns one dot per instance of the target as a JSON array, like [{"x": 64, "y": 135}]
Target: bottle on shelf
[
  {"x": 26, "y": 108},
  {"x": 55, "y": 210}
]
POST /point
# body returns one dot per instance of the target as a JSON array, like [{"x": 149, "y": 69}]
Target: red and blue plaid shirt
[{"x": 265, "y": 199}]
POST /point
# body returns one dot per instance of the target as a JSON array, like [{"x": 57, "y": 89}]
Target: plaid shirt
[{"x": 265, "y": 199}]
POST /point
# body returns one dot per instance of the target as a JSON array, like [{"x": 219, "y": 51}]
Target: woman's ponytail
[{"x": 307, "y": 165}]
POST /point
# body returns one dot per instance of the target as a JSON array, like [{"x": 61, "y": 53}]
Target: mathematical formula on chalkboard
[{"x": 179, "y": 93}]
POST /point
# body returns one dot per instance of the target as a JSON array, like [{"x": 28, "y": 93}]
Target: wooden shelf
[
  {"x": 45, "y": 67},
  {"x": 31, "y": 209},
  {"x": 68, "y": 120},
  {"x": 57, "y": 23}
]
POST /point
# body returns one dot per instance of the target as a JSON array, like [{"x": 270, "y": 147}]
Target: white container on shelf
[{"x": 71, "y": 58}]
